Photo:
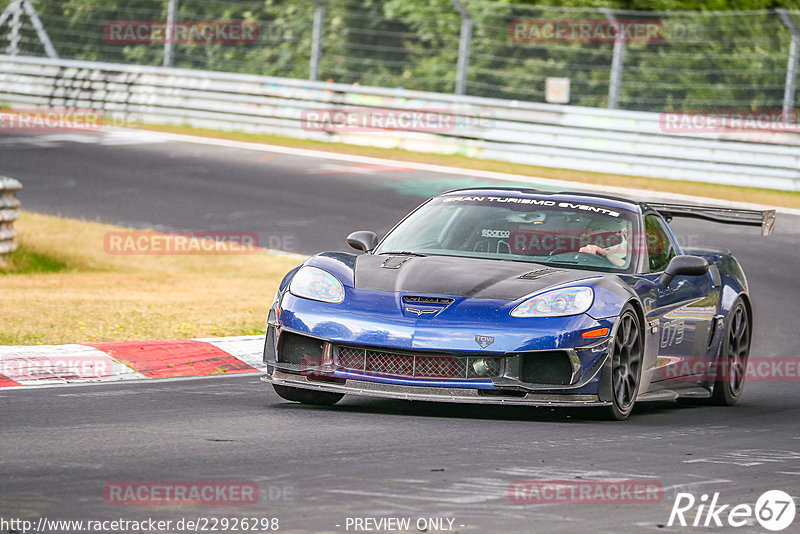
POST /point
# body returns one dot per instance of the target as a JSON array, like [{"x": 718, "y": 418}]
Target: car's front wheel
[
  {"x": 308, "y": 396},
  {"x": 732, "y": 362},
  {"x": 627, "y": 352}
]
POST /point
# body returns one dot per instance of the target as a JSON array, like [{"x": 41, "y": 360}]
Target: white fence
[{"x": 569, "y": 137}]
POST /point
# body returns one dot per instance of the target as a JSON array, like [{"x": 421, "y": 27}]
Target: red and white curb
[{"x": 50, "y": 365}]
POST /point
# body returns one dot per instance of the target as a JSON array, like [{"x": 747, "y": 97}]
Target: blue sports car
[{"x": 515, "y": 296}]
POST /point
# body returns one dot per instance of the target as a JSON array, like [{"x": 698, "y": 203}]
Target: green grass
[{"x": 27, "y": 261}]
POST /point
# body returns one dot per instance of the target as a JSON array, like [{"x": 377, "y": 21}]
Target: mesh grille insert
[
  {"x": 371, "y": 361},
  {"x": 350, "y": 358}
]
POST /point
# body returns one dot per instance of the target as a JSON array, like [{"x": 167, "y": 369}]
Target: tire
[
  {"x": 627, "y": 353},
  {"x": 308, "y": 396},
  {"x": 733, "y": 354}
]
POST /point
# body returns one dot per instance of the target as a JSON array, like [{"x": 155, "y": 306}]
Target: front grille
[
  {"x": 386, "y": 363},
  {"x": 351, "y": 358},
  {"x": 409, "y": 365}
]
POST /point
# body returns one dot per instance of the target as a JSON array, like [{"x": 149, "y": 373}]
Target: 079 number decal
[{"x": 672, "y": 332}]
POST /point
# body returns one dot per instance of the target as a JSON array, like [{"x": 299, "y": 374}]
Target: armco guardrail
[
  {"x": 569, "y": 137},
  {"x": 9, "y": 213}
]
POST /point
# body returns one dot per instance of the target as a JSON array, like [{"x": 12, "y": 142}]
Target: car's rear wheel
[
  {"x": 627, "y": 352},
  {"x": 308, "y": 396},
  {"x": 732, "y": 364}
]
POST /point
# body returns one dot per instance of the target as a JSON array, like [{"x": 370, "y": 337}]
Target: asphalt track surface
[{"x": 316, "y": 467}]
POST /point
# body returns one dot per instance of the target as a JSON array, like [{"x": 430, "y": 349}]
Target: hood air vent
[
  {"x": 395, "y": 262},
  {"x": 432, "y": 301},
  {"x": 538, "y": 273}
]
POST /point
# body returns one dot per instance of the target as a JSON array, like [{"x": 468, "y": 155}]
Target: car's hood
[{"x": 459, "y": 277}]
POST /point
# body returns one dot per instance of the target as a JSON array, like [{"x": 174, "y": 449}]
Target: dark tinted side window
[{"x": 659, "y": 246}]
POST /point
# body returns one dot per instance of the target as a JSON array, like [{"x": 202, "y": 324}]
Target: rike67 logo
[{"x": 774, "y": 510}]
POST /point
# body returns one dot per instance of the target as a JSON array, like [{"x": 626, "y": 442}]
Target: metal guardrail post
[
  {"x": 463, "y": 47},
  {"x": 14, "y": 10},
  {"x": 172, "y": 11},
  {"x": 616, "y": 63},
  {"x": 15, "y": 25},
  {"x": 316, "y": 40},
  {"x": 9, "y": 213},
  {"x": 40, "y": 31},
  {"x": 791, "y": 67}
]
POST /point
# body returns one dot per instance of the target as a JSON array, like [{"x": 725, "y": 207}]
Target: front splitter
[{"x": 429, "y": 393}]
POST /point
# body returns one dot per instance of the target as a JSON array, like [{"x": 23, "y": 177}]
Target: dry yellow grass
[{"x": 96, "y": 296}]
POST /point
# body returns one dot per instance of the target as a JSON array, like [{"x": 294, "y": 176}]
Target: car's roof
[{"x": 565, "y": 196}]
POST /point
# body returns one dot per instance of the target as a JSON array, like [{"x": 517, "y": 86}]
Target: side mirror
[
  {"x": 363, "y": 241},
  {"x": 684, "y": 265}
]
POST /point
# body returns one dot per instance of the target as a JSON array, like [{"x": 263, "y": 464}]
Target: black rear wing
[{"x": 763, "y": 218}]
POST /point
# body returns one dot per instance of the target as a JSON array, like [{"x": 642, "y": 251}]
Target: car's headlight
[
  {"x": 315, "y": 284},
  {"x": 556, "y": 303}
]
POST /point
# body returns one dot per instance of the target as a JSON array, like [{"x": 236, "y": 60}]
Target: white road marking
[
  {"x": 749, "y": 458},
  {"x": 338, "y": 168},
  {"x": 108, "y": 137}
]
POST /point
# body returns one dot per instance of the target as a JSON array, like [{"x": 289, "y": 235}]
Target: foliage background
[{"x": 718, "y": 54}]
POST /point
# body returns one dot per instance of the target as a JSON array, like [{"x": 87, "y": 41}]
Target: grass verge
[
  {"x": 62, "y": 287},
  {"x": 756, "y": 195}
]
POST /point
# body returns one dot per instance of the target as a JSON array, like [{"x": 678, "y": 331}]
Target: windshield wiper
[{"x": 401, "y": 253}]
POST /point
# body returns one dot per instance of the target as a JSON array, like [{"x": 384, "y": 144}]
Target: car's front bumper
[
  {"x": 384, "y": 332},
  {"x": 510, "y": 379},
  {"x": 432, "y": 393}
]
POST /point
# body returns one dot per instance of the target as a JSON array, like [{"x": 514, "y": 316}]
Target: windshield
[{"x": 552, "y": 232}]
